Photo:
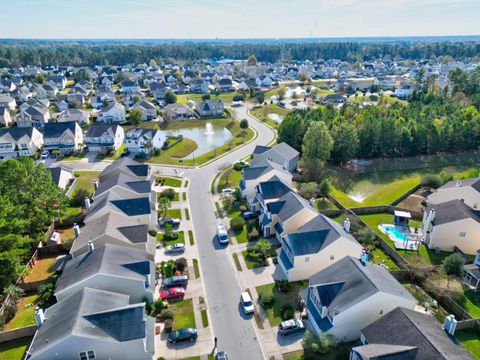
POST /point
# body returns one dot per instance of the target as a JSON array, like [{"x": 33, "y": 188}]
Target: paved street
[{"x": 236, "y": 333}]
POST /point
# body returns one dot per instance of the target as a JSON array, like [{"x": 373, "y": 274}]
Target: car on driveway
[
  {"x": 172, "y": 293},
  {"x": 247, "y": 304},
  {"x": 175, "y": 281},
  {"x": 290, "y": 326},
  {"x": 184, "y": 334},
  {"x": 247, "y": 215},
  {"x": 175, "y": 248},
  {"x": 173, "y": 221},
  {"x": 221, "y": 355},
  {"x": 229, "y": 190},
  {"x": 44, "y": 155},
  {"x": 222, "y": 234}
]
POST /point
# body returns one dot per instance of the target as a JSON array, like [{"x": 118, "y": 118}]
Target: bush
[
  {"x": 239, "y": 97},
  {"x": 166, "y": 314},
  {"x": 287, "y": 312},
  {"x": 431, "y": 181},
  {"x": 157, "y": 307},
  {"x": 152, "y": 232},
  {"x": 309, "y": 190},
  {"x": 446, "y": 177},
  {"x": 237, "y": 224},
  {"x": 78, "y": 198},
  {"x": 168, "y": 324},
  {"x": 253, "y": 234},
  {"x": 366, "y": 237},
  {"x": 181, "y": 264},
  {"x": 168, "y": 193},
  {"x": 167, "y": 268},
  {"x": 267, "y": 300},
  {"x": 156, "y": 151},
  {"x": 283, "y": 285},
  {"x": 170, "y": 236}
]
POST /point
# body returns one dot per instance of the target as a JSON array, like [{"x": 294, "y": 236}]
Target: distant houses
[{"x": 16, "y": 142}]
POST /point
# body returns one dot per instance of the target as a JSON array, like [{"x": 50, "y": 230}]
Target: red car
[{"x": 172, "y": 293}]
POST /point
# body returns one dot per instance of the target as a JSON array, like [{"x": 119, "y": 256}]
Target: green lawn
[
  {"x": 470, "y": 301},
  {"x": 187, "y": 214},
  {"x": 184, "y": 316},
  {"x": 251, "y": 263},
  {"x": 78, "y": 156},
  {"x": 430, "y": 257},
  {"x": 191, "y": 239},
  {"x": 196, "y": 269},
  {"x": 342, "y": 351},
  {"x": 173, "y": 182},
  {"x": 85, "y": 180},
  {"x": 204, "y": 318},
  {"x": 241, "y": 236},
  {"x": 226, "y": 98},
  {"x": 15, "y": 349},
  {"x": 273, "y": 313},
  {"x": 25, "y": 314},
  {"x": 262, "y": 113},
  {"x": 174, "y": 213},
  {"x": 470, "y": 339},
  {"x": 42, "y": 269},
  {"x": 229, "y": 178},
  {"x": 324, "y": 204},
  {"x": 383, "y": 196},
  {"x": 172, "y": 155},
  {"x": 180, "y": 239}
]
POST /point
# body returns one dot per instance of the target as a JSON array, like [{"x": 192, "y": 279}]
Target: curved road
[{"x": 236, "y": 334}]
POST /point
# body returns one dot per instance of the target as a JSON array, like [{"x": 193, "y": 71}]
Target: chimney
[
  {"x": 95, "y": 185},
  {"x": 91, "y": 246},
  {"x": 76, "y": 230},
  {"x": 87, "y": 203},
  {"x": 432, "y": 215},
  {"x": 462, "y": 200},
  {"x": 364, "y": 257},
  {"x": 450, "y": 324},
  {"x": 346, "y": 225},
  {"x": 39, "y": 316}
]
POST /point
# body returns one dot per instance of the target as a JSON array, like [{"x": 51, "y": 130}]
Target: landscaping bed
[{"x": 179, "y": 239}]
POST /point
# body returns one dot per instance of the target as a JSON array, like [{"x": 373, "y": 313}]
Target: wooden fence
[
  {"x": 72, "y": 187},
  {"x": 406, "y": 195},
  {"x": 19, "y": 333}
]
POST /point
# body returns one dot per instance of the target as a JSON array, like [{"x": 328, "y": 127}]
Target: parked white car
[
  {"x": 247, "y": 303},
  {"x": 222, "y": 234},
  {"x": 228, "y": 191}
]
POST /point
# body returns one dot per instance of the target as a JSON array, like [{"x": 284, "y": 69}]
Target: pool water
[{"x": 396, "y": 233}]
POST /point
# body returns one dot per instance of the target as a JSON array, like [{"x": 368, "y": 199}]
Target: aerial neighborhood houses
[
  {"x": 100, "y": 312},
  {"x": 65, "y": 137},
  {"x": 104, "y": 137}
]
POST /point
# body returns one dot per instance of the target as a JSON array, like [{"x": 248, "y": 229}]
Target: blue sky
[{"x": 237, "y": 19}]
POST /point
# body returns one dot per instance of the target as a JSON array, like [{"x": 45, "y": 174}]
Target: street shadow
[
  {"x": 285, "y": 340},
  {"x": 242, "y": 313},
  {"x": 217, "y": 245}
]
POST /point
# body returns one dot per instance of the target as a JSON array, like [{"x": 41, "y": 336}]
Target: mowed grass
[
  {"x": 184, "y": 316},
  {"x": 470, "y": 339},
  {"x": 25, "y": 315},
  {"x": 15, "y": 349},
  {"x": 85, "y": 180},
  {"x": 262, "y": 113},
  {"x": 373, "y": 220},
  {"x": 384, "y": 196},
  {"x": 180, "y": 239},
  {"x": 281, "y": 299},
  {"x": 173, "y": 182},
  {"x": 229, "y": 178},
  {"x": 227, "y": 98},
  {"x": 175, "y": 153}
]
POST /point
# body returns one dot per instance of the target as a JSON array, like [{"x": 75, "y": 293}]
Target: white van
[{"x": 247, "y": 303}]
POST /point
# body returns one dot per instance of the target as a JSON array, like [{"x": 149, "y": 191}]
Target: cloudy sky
[{"x": 237, "y": 18}]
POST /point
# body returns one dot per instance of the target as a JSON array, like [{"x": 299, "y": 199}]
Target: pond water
[
  {"x": 207, "y": 137},
  {"x": 275, "y": 117}
]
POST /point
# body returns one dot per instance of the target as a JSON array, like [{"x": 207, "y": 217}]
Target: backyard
[
  {"x": 15, "y": 349},
  {"x": 25, "y": 315},
  {"x": 470, "y": 339},
  {"x": 41, "y": 270},
  {"x": 274, "y": 313},
  {"x": 226, "y": 98}
]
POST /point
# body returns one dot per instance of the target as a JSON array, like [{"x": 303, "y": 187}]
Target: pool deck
[{"x": 410, "y": 244}]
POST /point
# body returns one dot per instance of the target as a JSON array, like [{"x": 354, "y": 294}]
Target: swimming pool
[{"x": 392, "y": 231}]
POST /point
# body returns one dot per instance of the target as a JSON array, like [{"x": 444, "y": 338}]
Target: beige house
[
  {"x": 253, "y": 175},
  {"x": 15, "y": 142},
  {"x": 66, "y": 137},
  {"x": 468, "y": 190},
  {"x": 349, "y": 295},
  {"x": 314, "y": 246},
  {"x": 5, "y": 117},
  {"x": 452, "y": 224}
]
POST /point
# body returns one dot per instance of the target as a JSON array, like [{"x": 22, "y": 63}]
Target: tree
[
  {"x": 453, "y": 265},
  {"x": 431, "y": 181},
  {"x": 206, "y": 97},
  {"x": 264, "y": 247},
  {"x": 345, "y": 142},
  {"x": 317, "y": 143},
  {"x": 244, "y": 127},
  {"x": 303, "y": 78},
  {"x": 309, "y": 190},
  {"x": 163, "y": 205},
  {"x": 170, "y": 97},
  {"x": 40, "y": 79},
  {"x": 120, "y": 77},
  {"x": 281, "y": 93},
  {"x": 260, "y": 97},
  {"x": 135, "y": 116},
  {"x": 238, "y": 97},
  {"x": 78, "y": 198},
  {"x": 252, "y": 60},
  {"x": 153, "y": 64},
  {"x": 105, "y": 103},
  {"x": 324, "y": 188},
  {"x": 82, "y": 74}
]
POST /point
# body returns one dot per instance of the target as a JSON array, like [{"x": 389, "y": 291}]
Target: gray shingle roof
[
  {"x": 109, "y": 259},
  {"x": 126, "y": 165},
  {"x": 125, "y": 181},
  {"x": 17, "y": 133},
  {"x": 361, "y": 281},
  {"x": 292, "y": 204},
  {"x": 56, "y": 173},
  {"x": 286, "y": 151},
  {"x": 453, "y": 210},
  {"x": 386, "y": 352},
  {"x": 56, "y": 129},
  {"x": 91, "y": 313},
  {"x": 99, "y": 129},
  {"x": 474, "y": 183},
  {"x": 410, "y": 328}
]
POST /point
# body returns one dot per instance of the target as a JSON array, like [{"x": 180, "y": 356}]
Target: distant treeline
[{"x": 78, "y": 53}]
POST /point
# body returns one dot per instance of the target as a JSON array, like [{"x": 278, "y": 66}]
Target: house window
[
  {"x": 86, "y": 355},
  {"x": 381, "y": 312},
  {"x": 462, "y": 234}
]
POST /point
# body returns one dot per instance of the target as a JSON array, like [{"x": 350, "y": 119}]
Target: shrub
[
  {"x": 78, "y": 198},
  {"x": 237, "y": 224},
  {"x": 239, "y": 166},
  {"x": 267, "y": 300},
  {"x": 366, "y": 237},
  {"x": 309, "y": 190},
  {"x": 170, "y": 236},
  {"x": 166, "y": 314},
  {"x": 168, "y": 268},
  {"x": 156, "y": 152},
  {"x": 153, "y": 232},
  {"x": 157, "y": 307},
  {"x": 287, "y": 312},
  {"x": 283, "y": 285},
  {"x": 320, "y": 345},
  {"x": 239, "y": 97},
  {"x": 253, "y": 234},
  {"x": 168, "y": 193},
  {"x": 453, "y": 265},
  {"x": 431, "y": 181},
  {"x": 181, "y": 264},
  {"x": 168, "y": 325}
]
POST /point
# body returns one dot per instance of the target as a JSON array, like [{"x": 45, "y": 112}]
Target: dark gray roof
[
  {"x": 292, "y": 204},
  {"x": 125, "y": 181},
  {"x": 474, "y": 183},
  {"x": 473, "y": 269},
  {"x": 16, "y": 133},
  {"x": 453, "y": 210},
  {"x": 56, "y": 129},
  {"x": 274, "y": 188},
  {"x": 359, "y": 282},
  {"x": 286, "y": 151},
  {"x": 410, "y": 328},
  {"x": 109, "y": 259},
  {"x": 127, "y": 165},
  {"x": 56, "y": 172},
  {"x": 316, "y": 234},
  {"x": 99, "y": 129},
  {"x": 386, "y": 352},
  {"x": 260, "y": 149},
  {"x": 91, "y": 313},
  {"x": 110, "y": 227},
  {"x": 262, "y": 167}
]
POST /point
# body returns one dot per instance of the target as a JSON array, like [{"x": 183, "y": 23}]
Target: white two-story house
[
  {"x": 104, "y": 137},
  {"x": 112, "y": 113},
  {"x": 143, "y": 140},
  {"x": 66, "y": 137},
  {"x": 15, "y": 142}
]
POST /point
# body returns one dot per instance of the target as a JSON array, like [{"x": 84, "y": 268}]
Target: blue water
[{"x": 397, "y": 234}]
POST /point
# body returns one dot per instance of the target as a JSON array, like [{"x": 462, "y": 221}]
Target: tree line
[{"x": 104, "y": 53}]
